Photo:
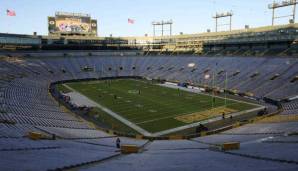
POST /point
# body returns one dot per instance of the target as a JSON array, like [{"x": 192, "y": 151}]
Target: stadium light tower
[
  {"x": 223, "y": 15},
  {"x": 162, "y": 24},
  {"x": 287, "y": 3}
]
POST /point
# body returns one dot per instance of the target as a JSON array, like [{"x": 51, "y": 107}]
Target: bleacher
[
  {"x": 290, "y": 107},
  {"x": 26, "y": 106}
]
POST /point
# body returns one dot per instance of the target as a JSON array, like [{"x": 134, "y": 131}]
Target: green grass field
[{"x": 153, "y": 107}]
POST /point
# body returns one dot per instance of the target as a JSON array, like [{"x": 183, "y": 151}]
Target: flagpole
[
  {"x": 8, "y": 25},
  {"x": 226, "y": 85},
  {"x": 213, "y": 89}
]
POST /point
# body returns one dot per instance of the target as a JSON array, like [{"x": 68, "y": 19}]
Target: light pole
[
  {"x": 286, "y": 3},
  {"x": 223, "y": 15},
  {"x": 226, "y": 86},
  {"x": 192, "y": 66}
]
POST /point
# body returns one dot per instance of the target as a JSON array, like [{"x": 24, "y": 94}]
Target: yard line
[
  {"x": 167, "y": 117},
  {"x": 157, "y": 114},
  {"x": 197, "y": 92},
  {"x": 165, "y": 132},
  {"x": 135, "y": 121},
  {"x": 115, "y": 115}
]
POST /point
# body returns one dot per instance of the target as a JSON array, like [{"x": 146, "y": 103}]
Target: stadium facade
[
  {"x": 41, "y": 130},
  {"x": 263, "y": 41}
]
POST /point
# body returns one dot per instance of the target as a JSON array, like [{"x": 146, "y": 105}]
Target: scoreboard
[{"x": 64, "y": 23}]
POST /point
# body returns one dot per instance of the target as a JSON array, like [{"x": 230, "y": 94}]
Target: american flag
[
  {"x": 10, "y": 13},
  {"x": 130, "y": 21}
]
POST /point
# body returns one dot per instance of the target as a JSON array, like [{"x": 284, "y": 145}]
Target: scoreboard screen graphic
[
  {"x": 72, "y": 23},
  {"x": 77, "y": 25}
]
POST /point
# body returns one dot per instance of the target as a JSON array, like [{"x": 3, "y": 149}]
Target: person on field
[
  {"x": 223, "y": 115},
  {"x": 118, "y": 142}
]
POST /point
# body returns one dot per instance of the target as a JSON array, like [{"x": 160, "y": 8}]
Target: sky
[{"x": 189, "y": 16}]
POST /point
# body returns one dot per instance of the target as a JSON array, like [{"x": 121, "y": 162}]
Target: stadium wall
[
  {"x": 70, "y": 53},
  {"x": 263, "y": 41}
]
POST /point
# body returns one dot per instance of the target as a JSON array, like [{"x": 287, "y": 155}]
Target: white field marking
[
  {"x": 139, "y": 105},
  {"x": 138, "y": 117},
  {"x": 170, "y": 104},
  {"x": 204, "y": 122},
  {"x": 164, "y": 113},
  {"x": 149, "y": 106},
  {"x": 115, "y": 115},
  {"x": 197, "y": 92},
  {"x": 176, "y": 115},
  {"x": 192, "y": 91},
  {"x": 171, "y": 116},
  {"x": 133, "y": 91},
  {"x": 152, "y": 111}
]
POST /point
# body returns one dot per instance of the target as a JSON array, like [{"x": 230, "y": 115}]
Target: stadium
[{"x": 216, "y": 100}]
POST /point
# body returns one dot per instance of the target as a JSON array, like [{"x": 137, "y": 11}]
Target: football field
[{"x": 153, "y": 107}]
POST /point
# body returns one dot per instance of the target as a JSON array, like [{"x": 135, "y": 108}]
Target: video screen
[{"x": 72, "y": 24}]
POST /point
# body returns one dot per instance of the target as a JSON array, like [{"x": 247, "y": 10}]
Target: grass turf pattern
[{"x": 152, "y": 107}]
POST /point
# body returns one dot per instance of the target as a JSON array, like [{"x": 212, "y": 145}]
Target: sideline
[
  {"x": 115, "y": 115},
  {"x": 205, "y": 94},
  {"x": 204, "y": 122},
  {"x": 168, "y": 131}
]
